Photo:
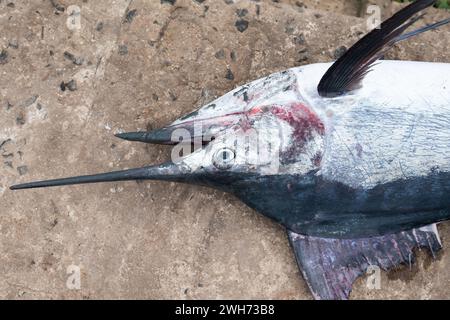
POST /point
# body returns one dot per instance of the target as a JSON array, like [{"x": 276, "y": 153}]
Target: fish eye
[{"x": 224, "y": 158}]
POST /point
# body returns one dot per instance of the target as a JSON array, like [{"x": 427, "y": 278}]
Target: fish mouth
[
  {"x": 184, "y": 133},
  {"x": 165, "y": 172},
  {"x": 187, "y": 130},
  {"x": 160, "y": 136},
  {"x": 198, "y": 132}
]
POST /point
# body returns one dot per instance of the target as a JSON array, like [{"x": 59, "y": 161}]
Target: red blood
[
  {"x": 304, "y": 121},
  {"x": 305, "y": 124},
  {"x": 254, "y": 111}
]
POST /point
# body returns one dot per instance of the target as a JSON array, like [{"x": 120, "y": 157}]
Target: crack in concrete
[{"x": 165, "y": 26}]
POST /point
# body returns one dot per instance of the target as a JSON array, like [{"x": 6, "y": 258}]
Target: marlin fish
[{"x": 351, "y": 157}]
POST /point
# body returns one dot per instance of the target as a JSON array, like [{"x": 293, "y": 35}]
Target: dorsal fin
[{"x": 347, "y": 72}]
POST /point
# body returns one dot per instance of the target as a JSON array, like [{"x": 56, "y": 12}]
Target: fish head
[{"x": 263, "y": 128}]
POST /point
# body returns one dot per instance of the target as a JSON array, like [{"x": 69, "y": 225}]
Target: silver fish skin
[{"x": 396, "y": 126}]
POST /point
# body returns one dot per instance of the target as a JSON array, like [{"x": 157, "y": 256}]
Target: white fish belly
[{"x": 397, "y": 126}]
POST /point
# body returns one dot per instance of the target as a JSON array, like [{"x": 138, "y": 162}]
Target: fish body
[{"x": 373, "y": 162}]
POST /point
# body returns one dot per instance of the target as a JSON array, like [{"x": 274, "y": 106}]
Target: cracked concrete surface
[{"x": 138, "y": 65}]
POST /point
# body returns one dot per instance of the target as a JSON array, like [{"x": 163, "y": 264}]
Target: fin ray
[
  {"x": 331, "y": 266},
  {"x": 422, "y": 30},
  {"x": 348, "y": 71}
]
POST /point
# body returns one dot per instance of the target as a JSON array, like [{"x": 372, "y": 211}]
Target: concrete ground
[{"x": 132, "y": 65}]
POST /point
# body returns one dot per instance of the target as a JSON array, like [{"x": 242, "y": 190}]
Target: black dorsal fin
[{"x": 347, "y": 72}]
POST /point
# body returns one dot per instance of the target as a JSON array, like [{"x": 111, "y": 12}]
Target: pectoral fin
[{"x": 331, "y": 266}]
